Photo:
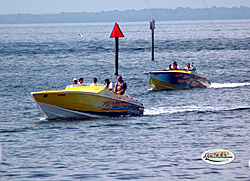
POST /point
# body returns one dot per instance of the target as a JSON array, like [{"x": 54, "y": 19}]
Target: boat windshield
[{"x": 79, "y": 85}]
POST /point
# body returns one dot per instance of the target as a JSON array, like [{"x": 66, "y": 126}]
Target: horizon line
[{"x": 124, "y": 10}]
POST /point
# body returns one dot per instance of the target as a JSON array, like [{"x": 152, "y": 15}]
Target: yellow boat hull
[{"x": 84, "y": 102}]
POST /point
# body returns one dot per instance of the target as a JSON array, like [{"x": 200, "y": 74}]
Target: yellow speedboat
[{"x": 85, "y": 102}]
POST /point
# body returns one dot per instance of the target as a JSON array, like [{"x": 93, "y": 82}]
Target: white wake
[
  {"x": 217, "y": 85},
  {"x": 174, "y": 110}
]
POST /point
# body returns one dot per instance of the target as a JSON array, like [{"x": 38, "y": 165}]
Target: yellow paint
[
  {"x": 93, "y": 89},
  {"x": 180, "y": 71},
  {"x": 80, "y": 102},
  {"x": 86, "y": 99},
  {"x": 90, "y": 89}
]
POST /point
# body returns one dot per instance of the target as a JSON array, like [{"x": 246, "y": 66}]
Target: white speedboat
[{"x": 85, "y": 102}]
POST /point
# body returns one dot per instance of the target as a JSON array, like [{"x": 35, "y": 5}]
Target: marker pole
[
  {"x": 152, "y": 44},
  {"x": 152, "y": 27},
  {"x": 116, "y": 55},
  {"x": 115, "y": 34}
]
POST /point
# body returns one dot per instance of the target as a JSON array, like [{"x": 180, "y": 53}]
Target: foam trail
[
  {"x": 174, "y": 110},
  {"x": 217, "y": 85},
  {"x": 171, "y": 110}
]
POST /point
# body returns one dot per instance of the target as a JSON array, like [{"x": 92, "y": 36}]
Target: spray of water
[{"x": 216, "y": 85}]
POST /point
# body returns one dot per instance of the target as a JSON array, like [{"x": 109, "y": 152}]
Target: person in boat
[
  {"x": 192, "y": 66},
  {"x": 120, "y": 86},
  {"x": 74, "y": 82},
  {"x": 175, "y": 66},
  {"x": 169, "y": 67},
  {"x": 108, "y": 84},
  {"x": 80, "y": 83},
  {"x": 188, "y": 67},
  {"x": 94, "y": 82}
]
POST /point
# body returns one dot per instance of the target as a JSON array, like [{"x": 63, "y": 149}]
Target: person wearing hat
[
  {"x": 108, "y": 85},
  {"x": 192, "y": 66},
  {"x": 74, "y": 82}
]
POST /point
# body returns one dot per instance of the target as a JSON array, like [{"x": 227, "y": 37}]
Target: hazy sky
[{"x": 57, "y": 6}]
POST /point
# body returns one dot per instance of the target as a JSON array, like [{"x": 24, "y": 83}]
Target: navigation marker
[{"x": 116, "y": 33}]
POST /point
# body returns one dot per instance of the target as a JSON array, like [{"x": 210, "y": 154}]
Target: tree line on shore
[{"x": 159, "y": 14}]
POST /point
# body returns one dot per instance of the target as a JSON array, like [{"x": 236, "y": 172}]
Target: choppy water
[{"x": 177, "y": 126}]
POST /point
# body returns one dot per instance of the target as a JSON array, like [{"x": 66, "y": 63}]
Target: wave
[
  {"x": 174, "y": 110},
  {"x": 224, "y": 85},
  {"x": 168, "y": 110}
]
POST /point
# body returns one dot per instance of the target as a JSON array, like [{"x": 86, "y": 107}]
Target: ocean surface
[{"x": 165, "y": 143}]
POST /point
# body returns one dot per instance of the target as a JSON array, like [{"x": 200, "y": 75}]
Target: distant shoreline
[{"x": 159, "y": 14}]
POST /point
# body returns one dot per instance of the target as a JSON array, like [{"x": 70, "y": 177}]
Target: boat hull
[
  {"x": 175, "y": 79},
  {"x": 85, "y": 102}
]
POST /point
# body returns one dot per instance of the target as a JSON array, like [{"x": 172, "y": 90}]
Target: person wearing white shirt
[
  {"x": 80, "y": 83},
  {"x": 94, "y": 82},
  {"x": 108, "y": 85},
  {"x": 188, "y": 67}
]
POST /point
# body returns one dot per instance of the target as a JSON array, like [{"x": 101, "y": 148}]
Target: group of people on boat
[
  {"x": 120, "y": 85},
  {"x": 190, "y": 66}
]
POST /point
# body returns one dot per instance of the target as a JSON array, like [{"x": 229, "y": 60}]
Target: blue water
[{"x": 165, "y": 143}]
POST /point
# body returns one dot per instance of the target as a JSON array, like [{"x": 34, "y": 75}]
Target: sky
[{"x": 58, "y": 6}]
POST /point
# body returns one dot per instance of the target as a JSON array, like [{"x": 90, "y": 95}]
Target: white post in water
[{"x": 152, "y": 27}]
